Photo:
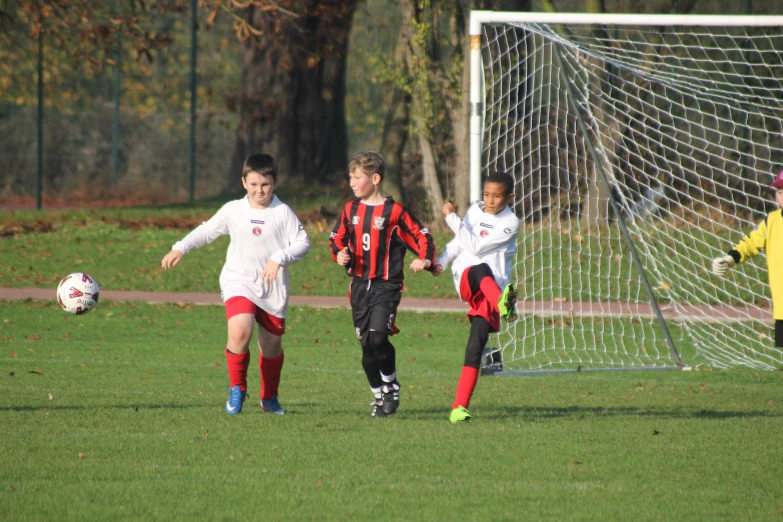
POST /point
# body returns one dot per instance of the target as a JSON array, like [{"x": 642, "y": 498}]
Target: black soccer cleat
[
  {"x": 390, "y": 400},
  {"x": 376, "y": 408}
]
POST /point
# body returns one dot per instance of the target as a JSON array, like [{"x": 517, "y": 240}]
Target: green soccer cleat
[
  {"x": 507, "y": 304},
  {"x": 459, "y": 414}
]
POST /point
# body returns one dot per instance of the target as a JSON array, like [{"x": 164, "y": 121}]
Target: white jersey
[
  {"x": 481, "y": 238},
  {"x": 257, "y": 235}
]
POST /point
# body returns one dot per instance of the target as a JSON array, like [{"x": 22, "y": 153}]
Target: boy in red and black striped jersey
[{"x": 370, "y": 240}]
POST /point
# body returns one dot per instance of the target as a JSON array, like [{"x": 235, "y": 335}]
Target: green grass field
[
  {"x": 118, "y": 414},
  {"x": 122, "y": 249}
]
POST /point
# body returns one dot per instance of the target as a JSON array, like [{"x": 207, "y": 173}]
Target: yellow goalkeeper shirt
[{"x": 768, "y": 236}]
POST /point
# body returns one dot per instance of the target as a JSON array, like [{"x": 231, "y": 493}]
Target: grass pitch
[{"x": 118, "y": 414}]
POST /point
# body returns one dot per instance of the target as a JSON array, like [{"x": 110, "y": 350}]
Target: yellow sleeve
[{"x": 753, "y": 243}]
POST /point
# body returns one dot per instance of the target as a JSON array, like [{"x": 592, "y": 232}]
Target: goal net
[{"x": 642, "y": 147}]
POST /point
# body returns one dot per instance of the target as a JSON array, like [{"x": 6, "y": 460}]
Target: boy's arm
[
  {"x": 205, "y": 233},
  {"x": 478, "y": 246},
  {"x": 339, "y": 239},
  {"x": 452, "y": 250},
  {"x": 417, "y": 238},
  {"x": 750, "y": 246},
  {"x": 298, "y": 242},
  {"x": 202, "y": 235}
]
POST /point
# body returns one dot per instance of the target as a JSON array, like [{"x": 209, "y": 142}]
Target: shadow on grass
[
  {"x": 250, "y": 408},
  {"x": 134, "y": 407},
  {"x": 531, "y": 413},
  {"x": 526, "y": 413}
]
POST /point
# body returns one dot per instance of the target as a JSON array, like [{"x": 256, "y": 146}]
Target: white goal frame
[
  {"x": 477, "y": 93},
  {"x": 479, "y": 18}
]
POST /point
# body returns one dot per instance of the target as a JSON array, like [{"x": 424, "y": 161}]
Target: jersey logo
[
  {"x": 425, "y": 230},
  {"x": 256, "y": 231},
  {"x": 484, "y": 233},
  {"x": 377, "y": 223},
  {"x": 257, "y": 221},
  {"x": 507, "y": 230},
  {"x": 356, "y": 220},
  {"x": 486, "y": 225}
]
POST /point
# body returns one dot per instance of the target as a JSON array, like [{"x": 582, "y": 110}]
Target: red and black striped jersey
[{"x": 377, "y": 237}]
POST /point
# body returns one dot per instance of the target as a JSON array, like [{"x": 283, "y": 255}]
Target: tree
[
  {"x": 291, "y": 101},
  {"x": 438, "y": 69}
]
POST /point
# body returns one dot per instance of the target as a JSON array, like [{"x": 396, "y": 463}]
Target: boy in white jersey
[
  {"x": 482, "y": 250},
  {"x": 266, "y": 237}
]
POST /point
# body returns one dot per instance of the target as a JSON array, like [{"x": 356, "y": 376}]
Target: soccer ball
[{"x": 78, "y": 293}]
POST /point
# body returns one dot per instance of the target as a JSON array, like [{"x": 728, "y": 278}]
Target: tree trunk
[
  {"x": 416, "y": 55},
  {"x": 291, "y": 100},
  {"x": 431, "y": 181},
  {"x": 460, "y": 123},
  {"x": 395, "y": 133}
]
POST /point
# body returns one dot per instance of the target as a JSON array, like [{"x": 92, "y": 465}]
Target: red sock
[
  {"x": 237, "y": 369},
  {"x": 491, "y": 291},
  {"x": 270, "y": 375},
  {"x": 467, "y": 383}
]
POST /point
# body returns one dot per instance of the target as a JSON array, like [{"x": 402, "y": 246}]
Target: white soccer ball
[{"x": 78, "y": 293}]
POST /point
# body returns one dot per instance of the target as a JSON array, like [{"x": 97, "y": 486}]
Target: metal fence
[{"x": 140, "y": 131}]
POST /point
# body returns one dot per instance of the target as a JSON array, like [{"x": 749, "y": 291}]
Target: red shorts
[
  {"x": 479, "y": 306},
  {"x": 243, "y": 305}
]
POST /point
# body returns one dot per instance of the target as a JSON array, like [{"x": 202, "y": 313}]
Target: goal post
[{"x": 642, "y": 146}]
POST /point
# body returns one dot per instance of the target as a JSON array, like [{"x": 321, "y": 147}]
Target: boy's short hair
[
  {"x": 504, "y": 179},
  {"x": 261, "y": 164},
  {"x": 369, "y": 163}
]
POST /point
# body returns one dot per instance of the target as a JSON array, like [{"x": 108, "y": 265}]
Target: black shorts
[
  {"x": 778, "y": 333},
  {"x": 374, "y": 306}
]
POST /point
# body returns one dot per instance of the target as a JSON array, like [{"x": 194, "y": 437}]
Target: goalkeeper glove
[{"x": 721, "y": 265}]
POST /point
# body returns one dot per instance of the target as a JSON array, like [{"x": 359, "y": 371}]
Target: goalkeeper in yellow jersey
[{"x": 768, "y": 236}]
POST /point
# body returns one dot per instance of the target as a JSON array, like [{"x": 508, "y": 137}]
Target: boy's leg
[
  {"x": 270, "y": 362},
  {"x": 360, "y": 311},
  {"x": 385, "y": 300},
  {"x": 482, "y": 280},
  {"x": 479, "y": 335},
  {"x": 371, "y": 368},
  {"x": 240, "y": 330},
  {"x": 386, "y": 356}
]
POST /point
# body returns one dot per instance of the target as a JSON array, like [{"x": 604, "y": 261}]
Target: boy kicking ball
[
  {"x": 481, "y": 253},
  {"x": 266, "y": 237}
]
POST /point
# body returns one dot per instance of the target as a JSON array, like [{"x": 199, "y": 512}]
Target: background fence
[{"x": 127, "y": 135}]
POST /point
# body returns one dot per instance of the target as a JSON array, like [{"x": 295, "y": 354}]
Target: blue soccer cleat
[
  {"x": 271, "y": 406},
  {"x": 236, "y": 397}
]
